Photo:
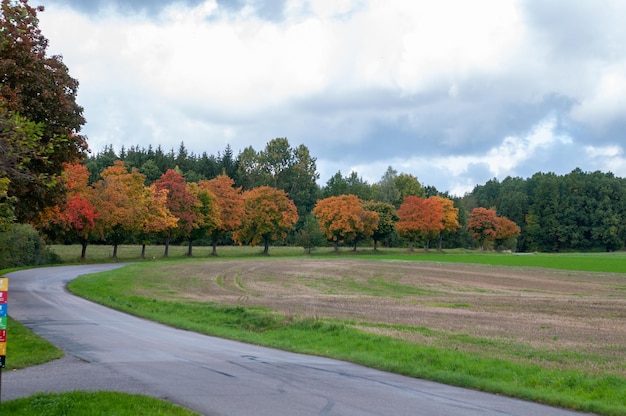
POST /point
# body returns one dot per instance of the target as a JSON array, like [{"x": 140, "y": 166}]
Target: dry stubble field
[{"x": 576, "y": 315}]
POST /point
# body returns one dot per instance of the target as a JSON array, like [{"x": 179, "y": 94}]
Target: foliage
[
  {"x": 21, "y": 245},
  {"x": 230, "y": 203},
  {"x": 387, "y": 218},
  {"x": 39, "y": 88},
  {"x": 268, "y": 216},
  {"x": 343, "y": 218},
  {"x": 310, "y": 235},
  {"x": 208, "y": 216},
  {"x": 420, "y": 219},
  {"x": 482, "y": 225},
  {"x": 120, "y": 200},
  {"x": 181, "y": 203},
  {"x": 76, "y": 215}
]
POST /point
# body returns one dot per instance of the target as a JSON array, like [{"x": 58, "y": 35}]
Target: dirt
[{"x": 540, "y": 308}]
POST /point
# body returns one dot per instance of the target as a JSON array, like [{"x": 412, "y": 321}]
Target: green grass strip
[
  {"x": 93, "y": 404},
  {"x": 24, "y": 348}
]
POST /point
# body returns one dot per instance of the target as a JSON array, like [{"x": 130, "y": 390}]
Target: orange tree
[
  {"x": 268, "y": 216},
  {"x": 387, "y": 218},
  {"x": 342, "y": 218},
  {"x": 420, "y": 219},
  {"x": 506, "y": 231},
  {"x": 230, "y": 203},
  {"x": 450, "y": 219}
]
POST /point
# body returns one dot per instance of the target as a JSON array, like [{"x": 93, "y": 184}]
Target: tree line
[{"x": 122, "y": 207}]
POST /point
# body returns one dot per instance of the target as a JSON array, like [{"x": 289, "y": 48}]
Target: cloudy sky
[{"x": 454, "y": 92}]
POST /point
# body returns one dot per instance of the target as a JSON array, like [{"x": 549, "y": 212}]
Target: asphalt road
[{"x": 110, "y": 350}]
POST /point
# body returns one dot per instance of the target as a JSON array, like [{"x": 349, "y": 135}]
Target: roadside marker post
[{"x": 4, "y": 316}]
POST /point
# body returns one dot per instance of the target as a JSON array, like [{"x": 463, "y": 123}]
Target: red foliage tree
[
  {"x": 482, "y": 225},
  {"x": 180, "y": 202}
]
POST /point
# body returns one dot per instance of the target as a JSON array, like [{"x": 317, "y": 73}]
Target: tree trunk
[
  {"x": 266, "y": 250},
  {"x": 375, "y": 244},
  {"x": 114, "y": 250},
  {"x": 143, "y": 251},
  {"x": 83, "y": 252},
  {"x": 411, "y": 245},
  {"x": 336, "y": 246},
  {"x": 214, "y": 252},
  {"x": 190, "y": 248},
  {"x": 440, "y": 241},
  {"x": 167, "y": 245}
]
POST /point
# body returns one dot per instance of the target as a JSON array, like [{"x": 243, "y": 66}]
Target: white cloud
[{"x": 454, "y": 92}]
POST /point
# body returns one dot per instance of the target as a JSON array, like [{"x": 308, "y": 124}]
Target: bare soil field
[{"x": 576, "y": 315}]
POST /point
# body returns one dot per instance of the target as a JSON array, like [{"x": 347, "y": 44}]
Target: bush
[{"x": 21, "y": 245}]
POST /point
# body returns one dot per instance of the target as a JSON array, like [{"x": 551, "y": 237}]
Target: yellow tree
[
  {"x": 118, "y": 199},
  {"x": 207, "y": 210},
  {"x": 158, "y": 217},
  {"x": 268, "y": 216},
  {"x": 343, "y": 218},
  {"x": 230, "y": 202},
  {"x": 450, "y": 218}
]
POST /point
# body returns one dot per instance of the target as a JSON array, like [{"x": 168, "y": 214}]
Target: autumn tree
[
  {"x": 387, "y": 218},
  {"x": 268, "y": 216},
  {"x": 420, "y": 219},
  {"x": 158, "y": 218},
  {"x": 118, "y": 198},
  {"x": 76, "y": 215},
  {"x": 207, "y": 213},
  {"x": 180, "y": 202},
  {"x": 39, "y": 88},
  {"x": 230, "y": 203},
  {"x": 482, "y": 225},
  {"x": 450, "y": 219},
  {"x": 506, "y": 231},
  {"x": 343, "y": 218}
]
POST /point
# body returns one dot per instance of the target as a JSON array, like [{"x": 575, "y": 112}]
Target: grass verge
[
  {"x": 26, "y": 348},
  {"x": 93, "y": 404},
  {"x": 569, "y": 388}
]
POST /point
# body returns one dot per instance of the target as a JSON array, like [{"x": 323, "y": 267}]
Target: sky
[{"x": 454, "y": 92}]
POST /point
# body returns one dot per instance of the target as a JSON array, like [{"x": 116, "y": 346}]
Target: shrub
[{"x": 21, "y": 245}]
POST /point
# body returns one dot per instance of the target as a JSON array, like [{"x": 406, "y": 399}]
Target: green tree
[
  {"x": 40, "y": 89},
  {"x": 310, "y": 235},
  {"x": 387, "y": 188},
  {"x": 387, "y": 219}
]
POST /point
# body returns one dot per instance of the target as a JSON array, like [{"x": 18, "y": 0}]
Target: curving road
[{"x": 110, "y": 350}]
